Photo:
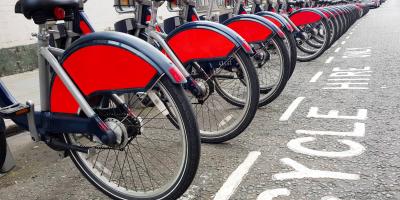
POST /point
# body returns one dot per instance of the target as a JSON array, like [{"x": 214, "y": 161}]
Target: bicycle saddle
[{"x": 31, "y": 7}]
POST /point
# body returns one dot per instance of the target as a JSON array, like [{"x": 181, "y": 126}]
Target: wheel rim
[
  {"x": 218, "y": 117},
  {"x": 145, "y": 167}
]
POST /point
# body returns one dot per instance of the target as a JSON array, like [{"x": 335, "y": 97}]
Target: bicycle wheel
[
  {"x": 232, "y": 89},
  {"x": 306, "y": 52},
  {"x": 273, "y": 66},
  {"x": 158, "y": 149},
  {"x": 290, "y": 43},
  {"x": 3, "y": 143}
]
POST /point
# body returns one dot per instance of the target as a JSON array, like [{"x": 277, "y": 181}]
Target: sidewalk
[{"x": 23, "y": 87}]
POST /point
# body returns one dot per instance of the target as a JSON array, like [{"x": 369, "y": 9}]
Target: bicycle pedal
[{"x": 14, "y": 110}]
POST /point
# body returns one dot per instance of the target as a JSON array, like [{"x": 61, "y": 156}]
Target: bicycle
[
  {"x": 273, "y": 60},
  {"x": 127, "y": 150},
  {"x": 207, "y": 68}
]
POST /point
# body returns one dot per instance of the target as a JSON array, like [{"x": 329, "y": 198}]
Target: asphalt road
[{"x": 340, "y": 142}]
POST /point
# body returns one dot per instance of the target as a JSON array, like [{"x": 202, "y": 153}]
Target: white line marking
[
  {"x": 233, "y": 181},
  {"x": 329, "y": 60},
  {"x": 344, "y": 42},
  {"x": 270, "y": 194},
  {"x": 226, "y": 120},
  {"x": 337, "y": 49},
  {"x": 358, "y": 131},
  {"x": 351, "y": 33},
  {"x": 347, "y": 37},
  {"x": 355, "y": 148},
  {"x": 334, "y": 44},
  {"x": 348, "y": 79},
  {"x": 302, "y": 171},
  {"x": 286, "y": 115},
  {"x": 315, "y": 77},
  {"x": 329, "y": 198}
]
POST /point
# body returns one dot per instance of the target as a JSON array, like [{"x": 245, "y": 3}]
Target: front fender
[
  {"x": 204, "y": 40},
  {"x": 277, "y": 19},
  {"x": 306, "y": 16},
  {"x": 253, "y": 28},
  {"x": 105, "y": 62}
]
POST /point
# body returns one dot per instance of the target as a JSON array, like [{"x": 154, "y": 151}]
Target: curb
[{"x": 18, "y": 59}]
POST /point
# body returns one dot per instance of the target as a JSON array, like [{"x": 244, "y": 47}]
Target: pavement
[{"x": 331, "y": 135}]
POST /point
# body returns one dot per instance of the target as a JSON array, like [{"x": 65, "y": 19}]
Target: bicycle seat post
[{"x": 44, "y": 69}]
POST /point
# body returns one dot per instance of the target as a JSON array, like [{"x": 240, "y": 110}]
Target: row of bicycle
[{"x": 131, "y": 108}]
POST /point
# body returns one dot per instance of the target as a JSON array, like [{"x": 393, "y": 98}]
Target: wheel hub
[{"x": 119, "y": 130}]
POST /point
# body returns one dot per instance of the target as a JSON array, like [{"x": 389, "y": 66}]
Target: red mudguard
[
  {"x": 101, "y": 63},
  {"x": 253, "y": 28},
  {"x": 276, "y": 19},
  {"x": 306, "y": 16},
  {"x": 203, "y": 40}
]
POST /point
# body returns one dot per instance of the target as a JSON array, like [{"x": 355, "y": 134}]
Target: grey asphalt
[{"x": 41, "y": 174}]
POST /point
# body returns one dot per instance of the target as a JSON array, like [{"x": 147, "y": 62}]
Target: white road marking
[
  {"x": 334, "y": 44},
  {"x": 329, "y": 198},
  {"x": 355, "y": 148},
  {"x": 351, "y": 33},
  {"x": 224, "y": 121},
  {"x": 358, "y": 131},
  {"x": 337, "y": 49},
  {"x": 329, "y": 60},
  {"x": 270, "y": 194},
  {"x": 338, "y": 69},
  {"x": 233, "y": 181},
  {"x": 346, "y": 86},
  {"x": 302, "y": 171},
  {"x": 334, "y": 114},
  {"x": 347, "y": 37},
  {"x": 344, "y": 42},
  {"x": 103, "y": 168},
  {"x": 348, "y": 79},
  {"x": 315, "y": 77},
  {"x": 289, "y": 111}
]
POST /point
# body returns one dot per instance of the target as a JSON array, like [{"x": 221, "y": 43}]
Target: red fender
[
  {"x": 273, "y": 20},
  {"x": 326, "y": 13},
  {"x": 306, "y": 16},
  {"x": 276, "y": 19},
  {"x": 251, "y": 31},
  {"x": 203, "y": 40},
  {"x": 100, "y": 63},
  {"x": 253, "y": 28}
]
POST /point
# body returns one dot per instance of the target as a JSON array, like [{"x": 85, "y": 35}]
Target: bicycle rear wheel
[
  {"x": 273, "y": 69},
  {"x": 232, "y": 96},
  {"x": 3, "y": 143},
  {"x": 308, "y": 52},
  {"x": 159, "y": 149}
]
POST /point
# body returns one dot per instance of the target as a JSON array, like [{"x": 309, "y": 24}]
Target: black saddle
[{"x": 42, "y": 10}]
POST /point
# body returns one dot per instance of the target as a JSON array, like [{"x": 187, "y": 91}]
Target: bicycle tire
[
  {"x": 3, "y": 143},
  {"x": 321, "y": 50},
  {"x": 190, "y": 165},
  {"x": 251, "y": 108},
  {"x": 285, "y": 73}
]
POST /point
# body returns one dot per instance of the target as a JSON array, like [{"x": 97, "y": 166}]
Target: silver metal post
[
  {"x": 237, "y": 7},
  {"x": 210, "y": 9},
  {"x": 44, "y": 70}
]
